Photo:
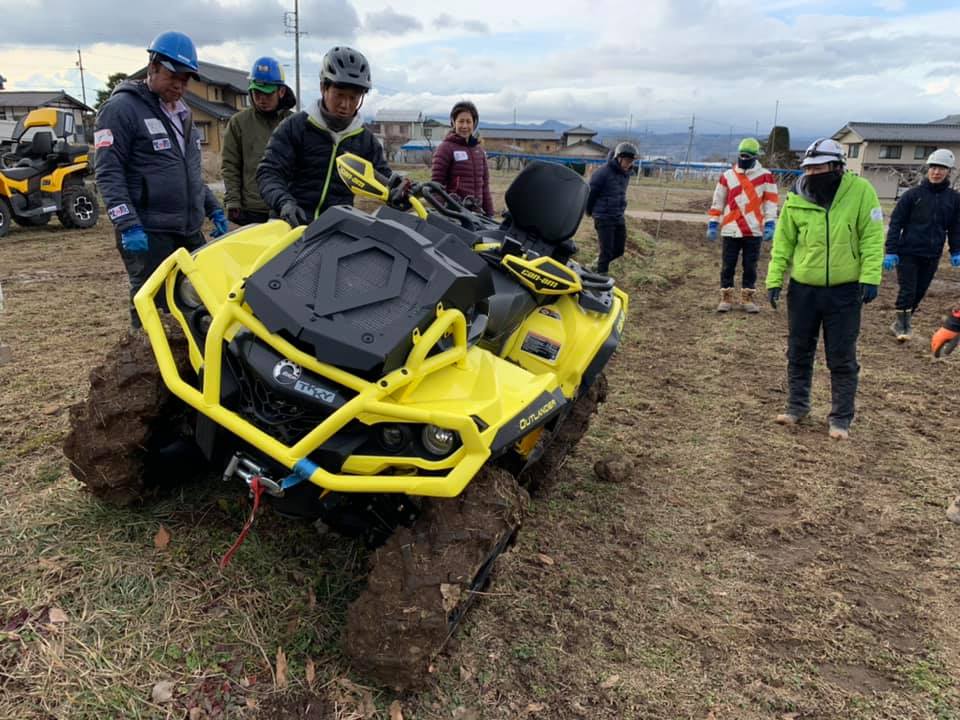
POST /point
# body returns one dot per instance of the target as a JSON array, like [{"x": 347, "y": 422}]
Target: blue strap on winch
[{"x": 303, "y": 470}]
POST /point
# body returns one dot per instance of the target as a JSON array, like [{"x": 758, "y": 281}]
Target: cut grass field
[{"x": 724, "y": 567}]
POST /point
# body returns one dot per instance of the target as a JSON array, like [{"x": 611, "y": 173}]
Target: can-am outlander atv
[{"x": 401, "y": 377}]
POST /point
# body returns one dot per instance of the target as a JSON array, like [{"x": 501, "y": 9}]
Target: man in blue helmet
[
  {"x": 148, "y": 163},
  {"x": 297, "y": 177},
  {"x": 246, "y": 138}
]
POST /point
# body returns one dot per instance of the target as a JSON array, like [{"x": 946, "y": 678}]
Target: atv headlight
[
  {"x": 438, "y": 440},
  {"x": 188, "y": 294},
  {"x": 394, "y": 438}
]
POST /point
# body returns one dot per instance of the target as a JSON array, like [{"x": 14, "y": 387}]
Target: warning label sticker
[{"x": 541, "y": 346}]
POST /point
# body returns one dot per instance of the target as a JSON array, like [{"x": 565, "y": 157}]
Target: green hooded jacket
[
  {"x": 825, "y": 247},
  {"x": 243, "y": 144}
]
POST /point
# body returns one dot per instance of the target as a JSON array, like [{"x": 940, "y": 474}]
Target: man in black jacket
[
  {"x": 148, "y": 163},
  {"x": 297, "y": 176},
  {"x": 922, "y": 218},
  {"x": 607, "y": 203}
]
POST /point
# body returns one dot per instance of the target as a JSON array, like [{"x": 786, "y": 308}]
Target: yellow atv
[
  {"x": 401, "y": 377},
  {"x": 45, "y": 175}
]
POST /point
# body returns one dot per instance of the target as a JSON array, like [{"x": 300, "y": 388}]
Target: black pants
[
  {"x": 732, "y": 246},
  {"x": 141, "y": 265},
  {"x": 914, "y": 275},
  {"x": 612, "y": 238},
  {"x": 837, "y": 310}
]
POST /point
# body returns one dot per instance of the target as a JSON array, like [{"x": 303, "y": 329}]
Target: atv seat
[
  {"x": 22, "y": 173},
  {"x": 547, "y": 201}
]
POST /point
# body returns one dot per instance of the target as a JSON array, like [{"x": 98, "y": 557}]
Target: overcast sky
[{"x": 599, "y": 63}]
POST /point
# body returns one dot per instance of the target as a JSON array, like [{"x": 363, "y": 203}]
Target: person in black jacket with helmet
[
  {"x": 297, "y": 176},
  {"x": 923, "y": 217},
  {"x": 607, "y": 203}
]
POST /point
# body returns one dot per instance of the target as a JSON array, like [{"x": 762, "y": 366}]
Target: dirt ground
[{"x": 693, "y": 560}]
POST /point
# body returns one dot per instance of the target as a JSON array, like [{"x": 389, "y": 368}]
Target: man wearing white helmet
[
  {"x": 923, "y": 217},
  {"x": 830, "y": 238}
]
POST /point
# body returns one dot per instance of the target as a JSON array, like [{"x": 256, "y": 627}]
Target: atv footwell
[
  {"x": 129, "y": 415},
  {"x": 425, "y": 577}
]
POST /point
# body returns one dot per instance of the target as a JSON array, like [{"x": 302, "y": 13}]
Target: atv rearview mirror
[{"x": 359, "y": 175}]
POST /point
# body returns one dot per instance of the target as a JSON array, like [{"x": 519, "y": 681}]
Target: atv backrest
[
  {"x": 40, "y": 146},
  {"x": 547, "y": 200}
]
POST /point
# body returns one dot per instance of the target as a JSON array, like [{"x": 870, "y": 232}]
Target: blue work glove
[
  {"x": 890, "y": 261},
  {"x": 713, "y": 229},
  {"x": 220, "y": 226},
  {"x": 134, "y": 239},
  {"x": 868, "y": 293},
  {"x": 773, "y": 295},
  {"x": 768, "y": 228},
  {"x": 955, "y": 259}
]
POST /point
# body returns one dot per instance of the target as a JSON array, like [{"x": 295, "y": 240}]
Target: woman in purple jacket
[{"x": 460, "y": 164}]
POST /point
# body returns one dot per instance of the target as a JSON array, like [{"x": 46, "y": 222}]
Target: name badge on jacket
[
  {"x": 461, "y": 155},
  {"x": 161, "y": 144}
]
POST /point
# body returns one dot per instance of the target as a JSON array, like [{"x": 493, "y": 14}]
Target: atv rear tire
[
  {"x": 78, "y": 207},
  {"x": 557, "y": 445},
  {"x": 5, "y": 214},
  {"x": 128, "y": 438},
  {"x": 425, "y": 578}
]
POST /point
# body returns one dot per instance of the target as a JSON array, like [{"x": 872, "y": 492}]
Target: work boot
[
  {"x": 790, "y": 417},
  {"x": 953, "y": 512},
  {"x": 746, "y": 299},
  {"x": 726, "y": 299},
  {"x": 838, "y": 432},
  {"x": 901, "y": 326}
]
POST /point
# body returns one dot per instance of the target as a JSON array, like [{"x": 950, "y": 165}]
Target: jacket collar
[{"x": 315, "y": 117}]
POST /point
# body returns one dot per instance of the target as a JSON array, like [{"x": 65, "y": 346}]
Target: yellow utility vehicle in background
[{"x": 45, "y": 174}]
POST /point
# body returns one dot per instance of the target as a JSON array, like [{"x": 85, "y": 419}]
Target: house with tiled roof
[{"x": 891, "y": 155}]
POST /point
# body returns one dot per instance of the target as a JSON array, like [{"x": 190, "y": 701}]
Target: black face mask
[
  {"x": 334, "y": 122},
  {"x": 823, "y": 187},
  {"x": 745, "y": 162}
]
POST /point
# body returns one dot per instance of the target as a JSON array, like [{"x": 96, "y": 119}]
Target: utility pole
[
  {"x": 83, "y": 87},
  {"x": 630, "y": 128},
  {"x": 693, "y": 122},
  {"x": 757, "y": 131},
  {"x": 730, "y": 144},
  {"x": 291, "y": 26},
  {"x": 776, "y": 112},
  {"x": 514, "y": 117}
]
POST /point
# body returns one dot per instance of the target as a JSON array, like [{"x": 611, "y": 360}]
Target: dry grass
[{"x": 736, "y": 569}]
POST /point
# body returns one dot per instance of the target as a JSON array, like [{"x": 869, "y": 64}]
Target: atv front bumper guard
[{"x": 449, "y": 475}]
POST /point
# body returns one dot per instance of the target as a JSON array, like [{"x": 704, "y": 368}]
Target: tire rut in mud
[
  {"x": 557, "y": 445},
  {"x": 424, "y": 578},
  {"x": 116, "y": 434}
]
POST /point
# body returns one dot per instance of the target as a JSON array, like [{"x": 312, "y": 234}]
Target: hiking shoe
[
  {"x": 726, "y": 300},
  {"x": 746, "y": 300},
  {"x": 788, "y": 418},
  {"x": 839, "y": 433},
  {"x": 953, "y": 512}
]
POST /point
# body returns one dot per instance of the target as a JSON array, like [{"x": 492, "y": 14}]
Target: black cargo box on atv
[{"x": 353, "y": 288}]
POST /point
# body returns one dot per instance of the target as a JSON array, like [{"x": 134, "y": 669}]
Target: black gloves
[
  {"x": 773, "y": 295},
  {"x": 868, "y": 293},
  {"x": 400, "y": 186},
  {"x": 292, "y": 214}
]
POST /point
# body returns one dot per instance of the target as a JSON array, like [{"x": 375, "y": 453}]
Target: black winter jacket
[
  {"x": 923, "y": 217},
  {"x": 608, "y": 192},
  {"x": 143, "y": 176},
  {"x": 299, "y": 162}
]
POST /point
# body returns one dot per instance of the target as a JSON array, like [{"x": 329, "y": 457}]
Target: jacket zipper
[
  {"x": 333, "y": 161},
  {"x": 827, "y": 212}
]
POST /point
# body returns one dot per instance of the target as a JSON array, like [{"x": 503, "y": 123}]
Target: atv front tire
[
  {"x": 555, "y": 446},
  {"x": 78, "y": 207},
  {"x": 425, "y": 578},
  {"x": 5, "y": 215},
  {"x": 131, "y": 434}
]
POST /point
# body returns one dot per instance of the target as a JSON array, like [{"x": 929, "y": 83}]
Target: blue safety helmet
[
  {"x": 266, "y": 75},
  {"x": 175, "y": 51}
]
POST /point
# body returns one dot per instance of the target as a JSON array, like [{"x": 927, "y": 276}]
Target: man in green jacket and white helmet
[
  {"x": 830, "y": 237},
  {"x": 246, "y": 138}
]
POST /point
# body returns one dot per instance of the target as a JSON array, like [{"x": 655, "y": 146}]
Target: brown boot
[
  {"x": 726, "y": 300},
  {"x": 746, "y": 299}
]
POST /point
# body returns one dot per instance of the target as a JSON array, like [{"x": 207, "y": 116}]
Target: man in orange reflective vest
[{"x": 744, "y": 213}]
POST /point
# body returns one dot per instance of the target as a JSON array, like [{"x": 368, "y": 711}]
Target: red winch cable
[{"x": 257, "y": 489}]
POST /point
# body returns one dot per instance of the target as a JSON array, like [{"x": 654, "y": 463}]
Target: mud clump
[{"x": 128, "y": 415}]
